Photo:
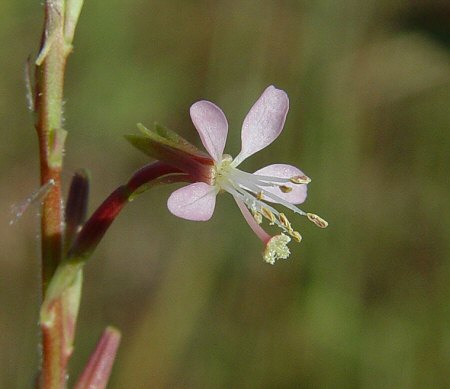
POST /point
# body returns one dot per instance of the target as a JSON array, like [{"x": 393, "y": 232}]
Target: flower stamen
[
  {"x": 317, "y": 220},
  {"x": 285, "y": 188},
  {"x": 284, "y": 221},
  {"x": 296, "y": 235},
  {"x": 300, "y": 180},
  {"x": 268, "y": 214}
]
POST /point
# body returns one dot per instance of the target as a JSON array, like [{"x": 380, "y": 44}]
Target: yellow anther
[
  {"x": 300, "y": 180},
  {"x": 317, "y": 220},
  {"x": 259, "y": 196},
  {"x": 296, "y": 235},
  {"x": 284, "y": 221},
  {"x": 268, "y": 215},
  {"x": 285, "y": 188}
]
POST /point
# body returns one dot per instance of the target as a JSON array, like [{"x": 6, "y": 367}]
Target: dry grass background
[{"x": 363, "y": 304}]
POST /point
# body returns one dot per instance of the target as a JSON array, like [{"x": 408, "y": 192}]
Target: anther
[
  {"x": 284, "y": 221},
  {"x": 300, "y": 179},
  {"x": 259, "y": 196},
  {"x": 268, "y": 215},
  {"x": 296, "y": 235},
  {"x": 317, "y": 220},
  {"x": 285, "y": 188}
]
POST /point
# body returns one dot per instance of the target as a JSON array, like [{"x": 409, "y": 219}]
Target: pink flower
[{"x": 278, "y": 184}]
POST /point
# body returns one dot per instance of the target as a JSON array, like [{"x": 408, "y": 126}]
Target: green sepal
[
  {"x": 167, "y": 146},
  {"x": 169, "y": 138}
]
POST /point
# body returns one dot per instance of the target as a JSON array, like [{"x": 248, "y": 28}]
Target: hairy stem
[
  {"x": 50, "y": 67},
  {"x": 58, "y": 333}
]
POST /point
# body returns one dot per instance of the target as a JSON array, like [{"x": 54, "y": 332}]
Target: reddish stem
[
  {"x": 48, "y": 105},
  {"x": 53, "y": 356},
  {"x": 97, "y": 225}
]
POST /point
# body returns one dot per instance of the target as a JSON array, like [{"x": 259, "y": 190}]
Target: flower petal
[
  {"x": 264, "y": 122},
  {"x": 298, "y": 193},
  {"x": 212, "y": 126},
  {"x": 193, "y": 202}
]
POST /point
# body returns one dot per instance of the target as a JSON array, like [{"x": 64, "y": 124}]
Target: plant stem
[
  {"x": 49, "y": 107},
  {"x": 58, "y": 333}
]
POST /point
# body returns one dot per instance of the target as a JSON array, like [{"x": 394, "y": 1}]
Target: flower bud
[{"x": 76, "y": 206}]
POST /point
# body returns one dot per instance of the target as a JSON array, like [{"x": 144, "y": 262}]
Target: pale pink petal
[
  {"x": 212, "y": 126},
  {"x": 264, "y": 122},
  {"x": 193, "y": 202},
  {"x": 298, "y": 193}
]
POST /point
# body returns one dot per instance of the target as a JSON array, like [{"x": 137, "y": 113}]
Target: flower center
[
  {"x": 222, "y": 170},
  {"x": 251, "y": 189}
]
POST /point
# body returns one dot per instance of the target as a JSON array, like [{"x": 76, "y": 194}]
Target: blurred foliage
[{"x": 363, "y": 304}]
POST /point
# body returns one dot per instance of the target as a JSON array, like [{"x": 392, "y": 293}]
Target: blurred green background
[{"x": 362, "y": 304}]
